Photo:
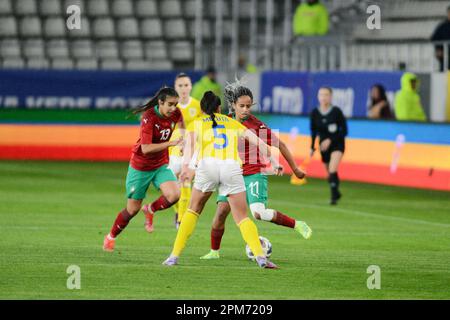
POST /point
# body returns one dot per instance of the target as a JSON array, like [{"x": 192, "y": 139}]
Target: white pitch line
[{"x": 363, "y": 213}]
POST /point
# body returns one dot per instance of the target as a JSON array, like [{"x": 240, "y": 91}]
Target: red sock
[
  {"x": 122, "y": 220},
  {"x": 216, "y": 238},
  {"x": 160, "y": 204},
  {"x": 284, "y": 220}
]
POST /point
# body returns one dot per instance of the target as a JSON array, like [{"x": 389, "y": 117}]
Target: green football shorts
[
  {"x": 138, "y": 181},
  {"x": 256, "y": 186}
]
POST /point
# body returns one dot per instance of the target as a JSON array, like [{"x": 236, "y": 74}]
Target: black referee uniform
[{"x": 329, "y": 125}]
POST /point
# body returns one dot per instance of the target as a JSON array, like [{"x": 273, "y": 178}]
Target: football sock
[
  {"x": 185, "y": 230},
  {"x": 184, "y": 200},
  {"x": 175, "y": 207},
  {"x": 160, "y": 204},
  {"x": 333, "y": 180},
  {"x": 284, "y": 220},
  {"x": 122, "y": 220},
  {"x": 250, "y": 234},
  {"x": 216, "y": 238}
]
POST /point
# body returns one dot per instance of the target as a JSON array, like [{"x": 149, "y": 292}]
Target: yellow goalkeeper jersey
[
  {"x": 190, "y": 111},
  {"x": 220, "y": 142}
]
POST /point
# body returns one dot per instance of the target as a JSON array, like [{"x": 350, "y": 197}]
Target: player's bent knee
[
  {"x": 260, "y": 212},
  {"x": 173, "y": 196}
]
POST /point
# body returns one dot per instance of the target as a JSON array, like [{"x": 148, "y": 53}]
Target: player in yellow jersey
[
  {"x": 190, "y": 108},
  {"x": 215, "y": 136}
]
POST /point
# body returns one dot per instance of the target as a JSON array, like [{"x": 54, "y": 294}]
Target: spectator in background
[
  {"x": 407, "y": 101},
  {"x": 379, "y": 105},
  {"x": 442, "y": 33},
  {"x": 310, "y": 19},
  {"x": 207, "y": 83}
]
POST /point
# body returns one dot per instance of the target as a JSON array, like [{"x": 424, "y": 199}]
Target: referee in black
[{"x": 328, "y": 122}]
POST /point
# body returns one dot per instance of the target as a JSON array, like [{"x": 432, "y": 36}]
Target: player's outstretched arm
[
  {"x": 290, "y": 160},
  {"x": 264, "y": 148},
  {"x": 188, "y": 152},
  {"x": 157, "y": 147}
]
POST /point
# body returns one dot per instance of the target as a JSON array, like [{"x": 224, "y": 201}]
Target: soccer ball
[{"x": 266, "y": 246}]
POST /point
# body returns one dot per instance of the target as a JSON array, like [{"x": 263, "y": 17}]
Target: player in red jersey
[
  {"x": 149, "y": 162},
  {"x": 240, "y": 99}
]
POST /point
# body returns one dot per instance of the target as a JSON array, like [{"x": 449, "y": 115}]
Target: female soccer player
[
  {"x": 240, "y": 99},
  {"x": 190, "y": 108},
  {"x": 329, "y": 123},
  {"x": 218, "y": 165},
  {"x": 149, "y": 161}
]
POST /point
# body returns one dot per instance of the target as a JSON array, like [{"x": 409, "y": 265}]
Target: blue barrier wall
[
  {"x": 296, "y": 92},
  {"x": 53, "y": 89}
]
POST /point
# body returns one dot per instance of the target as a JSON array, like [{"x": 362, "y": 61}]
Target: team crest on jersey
[
  {"x": 172, "y": 125},
  {"x": 192, "y": 112}
]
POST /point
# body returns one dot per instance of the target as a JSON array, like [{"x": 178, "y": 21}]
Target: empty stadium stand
[{"x": 160, "y": 34}]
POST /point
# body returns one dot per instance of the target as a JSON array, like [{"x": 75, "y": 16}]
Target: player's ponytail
[
  {"x": 209, "y": 104},
  {"x": 161, "y": 95},
  {"x": 233, "y": 91}
]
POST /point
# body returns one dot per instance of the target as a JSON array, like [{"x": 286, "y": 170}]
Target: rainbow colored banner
[{"x": 393, "y": 153}]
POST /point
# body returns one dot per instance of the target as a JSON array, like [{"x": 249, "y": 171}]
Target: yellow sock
[
  {"x": 249, "y": 232},
  {"x": 183, "y": 203},
  {"x": 175, "y": 207},
  {"x": 185, "y": 230}
]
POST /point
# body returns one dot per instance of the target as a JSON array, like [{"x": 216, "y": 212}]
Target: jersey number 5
[{"x": 222, "y": 136}]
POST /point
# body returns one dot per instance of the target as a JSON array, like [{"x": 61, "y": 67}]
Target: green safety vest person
[{"x": 407, "y": 101}]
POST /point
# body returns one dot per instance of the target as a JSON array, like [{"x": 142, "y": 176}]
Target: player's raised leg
[
  {"x": 164, "y": 180},
  {"x": 122, "y": 220},
  {"x": 218, "y": 228},
  {"x": 248, "y": 229},
  {"x": 188, "y": 223}
]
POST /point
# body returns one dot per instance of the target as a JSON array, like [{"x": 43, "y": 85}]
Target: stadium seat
[
  {"x": 132, "y": 49},
  {"x": 51, "y": 8},
  {"x": 244, "y": 9},
  {"x": 181, "y": 51},
  {"x": 97, "y": 8},
  {"x": 146, "y": 8},
  {"x": 137, "y": 65},
  {"x": 38, "y": 63},
  {"x": 25, "y": 7},
  {"x": 62, "y": 63},
  {"x": 8, "y": 27},
  {"x": 103, "y": 28},
  {"x": 83, "y": 32},
  {"x": 87, "y": 64},
  {"x": 211, "y": 10},
  {"x": 57, "y": 49},
  {"x": 5, "y": 7},
  {"x": 107, "y": 49},
  {"x": 174, "y": 29},
  {"x": 54, "y": 27},
  {"x": 82, "y": 49},
  {"x": 79, "y": 3},
  {"x": 33, "y": 48},
  {"x": 30, "y": 27},
  {"x": 111, "y": 64},
  {"x": 155, "y": 50},
  {"x": 161, "y": 65},
  {"x": 10, "y": 48},
  {"x": 127, "y": 28},
  {"x": 416, "y": 9},
  {"x": 190, "y": 8},
  {"x": 122, "y": 8},
  {"x": 13, "y": 63},
  {"x": 170, "y": 8},
  {"x": 151, "y": 28},
  {"x": 208, "y": 29}
]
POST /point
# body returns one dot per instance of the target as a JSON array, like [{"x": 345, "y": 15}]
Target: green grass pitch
[{"x": 54, "y": 215}]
